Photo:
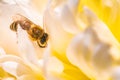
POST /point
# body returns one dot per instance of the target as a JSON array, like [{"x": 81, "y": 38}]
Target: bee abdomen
[{"x": 13, "y": 26}]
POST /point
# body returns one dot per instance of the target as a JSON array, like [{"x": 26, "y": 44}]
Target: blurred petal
[
  {"x": 8, "y": 78},
  {"x": 90, "y": 51},
  {"x": 26, "y": 77},
  {"x": 39, "y": 5},
  {"x": 54, "y": 65},
  {"x": 66, "y": 18},
  {"x": 76, "y": 53},
  {"x": 8, "y": 1},
  {"x": 115, "y": 73},
  {"x": 108, "y": 11},
  {"x": 73, "y": 5},
  {"x": 2, "y": 52}
]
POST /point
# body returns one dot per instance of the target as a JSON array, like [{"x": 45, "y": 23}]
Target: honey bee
[{"x": 35, "y": 32}]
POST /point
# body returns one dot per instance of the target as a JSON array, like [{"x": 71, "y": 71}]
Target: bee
[{"x": 35, "y": 32}]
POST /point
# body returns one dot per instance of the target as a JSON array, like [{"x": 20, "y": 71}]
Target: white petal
[
  {"x": 10, "y": 67},
  {"x": 26, "y": 47},
  {"x": 46, "y": 60},
  {"x": 28, "y": 8},
  {"x": 55, "y": 65},
  {"x": 15, "y": 66},
  {"x": 2, "y": 52},
  {"x": 51, "y": 64},
  {"x": 115, "y": 73},
  {"x": 73, "y": 5},
  {"x": 13, "y": 58},
  {"x": 91, "y": 17},
  {"x": 7, "y": 36},
  {"x": 65, "y": 17},
  {"x": 56, "y": 32},
  {"x": 40, "y": 62}
]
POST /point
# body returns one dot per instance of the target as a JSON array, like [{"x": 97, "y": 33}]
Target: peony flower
[{"x": 83, "y": 44}]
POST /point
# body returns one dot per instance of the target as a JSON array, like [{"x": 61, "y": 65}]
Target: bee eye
[{"x": 44, "y": 38}]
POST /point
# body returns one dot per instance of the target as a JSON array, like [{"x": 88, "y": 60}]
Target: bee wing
[{"x": 32, "y": 14}]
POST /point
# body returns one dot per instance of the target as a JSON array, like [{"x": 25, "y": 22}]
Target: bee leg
[{"x": 13, "y": 26}]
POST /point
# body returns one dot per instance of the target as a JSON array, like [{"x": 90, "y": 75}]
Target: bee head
[{"x": 42, "y": 42}]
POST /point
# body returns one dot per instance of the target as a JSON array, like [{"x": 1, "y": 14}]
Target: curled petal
[
  {"x": 56, "y": 32},
  {"x": 65, "y": 15},
  {"x": 17, "y": 70},
  {"x": 8, "y": 61},
  {"x": 5, "y": 58},
  {"x": 8, "y": 67},
  {"x": 74, "y": 54},
  {"x": 26, "y": 67},
  {"x": 67, "y": 19},
  {"x": 91, "y": 54}
]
